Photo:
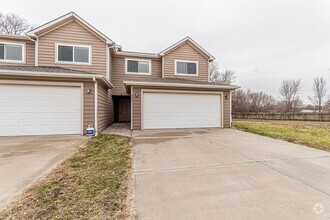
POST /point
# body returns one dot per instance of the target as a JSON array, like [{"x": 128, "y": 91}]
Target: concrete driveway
[
  {"x": 23, "y": 160},
  {"x": 228, "y": 174}
]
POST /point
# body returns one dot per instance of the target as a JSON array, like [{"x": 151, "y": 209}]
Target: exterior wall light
[{"x": 88, "y": 90}]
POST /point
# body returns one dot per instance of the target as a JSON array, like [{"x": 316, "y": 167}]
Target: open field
[
  {"x": 91, "y": 184},
  {"x": 312, "y": 134}
]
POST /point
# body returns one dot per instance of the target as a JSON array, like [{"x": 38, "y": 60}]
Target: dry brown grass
[
  {"x": 312, "y": 134},
  {"x": 92, "y": 184}
]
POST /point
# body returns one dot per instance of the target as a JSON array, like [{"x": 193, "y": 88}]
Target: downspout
[
  {"x": 36, "y": 51},
  {"x": 132, "y": 107},
  {"x": 108, "y": 62},
  {"x": 230, "y": 108},
  {"x": 208, "y": 71},
  {"x": 163, "y": 66},
  {"x": 95, "y": 104}
]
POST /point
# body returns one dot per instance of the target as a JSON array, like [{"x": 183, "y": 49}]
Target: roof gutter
[
  {"x": 183, "y": 85},
  {"x": 16, "y": 37},
  {"x": 56, "y": 74},
  {"x": 114, "y": 46},
  {"x": 137, "y": 54}
]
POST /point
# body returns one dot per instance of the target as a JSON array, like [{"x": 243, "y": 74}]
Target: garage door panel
[
  {"x": 39, "y": 110},
  {"x": 170, "y": 110}
]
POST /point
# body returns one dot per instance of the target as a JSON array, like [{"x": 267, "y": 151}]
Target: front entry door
[{"x": 124, "y": 110}]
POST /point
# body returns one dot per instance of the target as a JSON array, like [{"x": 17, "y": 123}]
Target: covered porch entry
[{"x": 122, "y": 106}]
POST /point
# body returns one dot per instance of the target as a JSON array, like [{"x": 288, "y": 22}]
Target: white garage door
[
  {"x": 172, "y": 110},
  {"x": 39, "y": 110}
]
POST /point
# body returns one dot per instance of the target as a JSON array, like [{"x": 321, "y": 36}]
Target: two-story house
[{"x": 65, "y": 75}]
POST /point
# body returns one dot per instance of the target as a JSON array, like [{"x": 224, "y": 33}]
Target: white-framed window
[
  {"x": 73, "y": 54},
  {"x": 12, "y": 52},
  {"x": 186, "y": 67},
  {"x": 137, "y": 66}
]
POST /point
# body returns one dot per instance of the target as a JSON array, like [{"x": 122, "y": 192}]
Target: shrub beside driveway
[
  {"x": 312, "y": 134},
  {"x": 92, "y": 184}
]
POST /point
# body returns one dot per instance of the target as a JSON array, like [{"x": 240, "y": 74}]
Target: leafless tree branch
[
  {"x": 248, "y": 101},
  {"x": 327, "y": 105},
  {"x": 223, "y": 78},
  {"x": 13, "y": 24},
  {"x": 289, "y": 91},
  {"x": 319, "y": 93}
]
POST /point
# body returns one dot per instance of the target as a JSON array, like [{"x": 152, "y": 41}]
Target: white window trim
[
  {"x": 187, "y": 61},
  {"x": 14, "y": 61},
  {"x": 134, "y": 73},
  {"x": 73, "y": 45}
]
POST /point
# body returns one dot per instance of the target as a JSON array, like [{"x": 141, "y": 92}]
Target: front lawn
[
  {"x": 92, "y": 184},
  {"x": 312, "y": 134}
]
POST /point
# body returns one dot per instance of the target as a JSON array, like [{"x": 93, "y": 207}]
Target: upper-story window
[
  {"x": 76, "y": 54},
  {"x": 12, "y": 52},
  {"x": 184, "y": 67},
  {"x": 134, "y": 66}
]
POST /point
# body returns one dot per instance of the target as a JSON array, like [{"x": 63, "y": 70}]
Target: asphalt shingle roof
[{"x": 47, "y": 69}]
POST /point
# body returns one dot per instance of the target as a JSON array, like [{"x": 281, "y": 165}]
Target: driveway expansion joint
[
  {"x": 262, "y": 163},
  {"x": 185, "y": 168}
]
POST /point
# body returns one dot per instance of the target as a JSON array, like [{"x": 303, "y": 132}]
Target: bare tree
[
  {"x": 223, "y": 78},
  {"x": 327, "y": 105},
  {"x": 319, "y": 93},
  {"x": 298, "y": 104},
  {"x": 13, "y": 24},
  {"x": 214, "y": 68},
  {"x": 248, "y": 101},
  {"x": 289, "y": 93}
]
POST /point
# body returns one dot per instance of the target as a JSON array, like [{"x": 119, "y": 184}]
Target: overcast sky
[{"x": 264, "y": 41}]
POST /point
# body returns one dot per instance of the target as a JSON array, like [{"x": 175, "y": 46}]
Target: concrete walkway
[
  {"x": 123, "y": 129},
  {"x": 23, "y": 160},
  {"x": 228, "y": 174}
]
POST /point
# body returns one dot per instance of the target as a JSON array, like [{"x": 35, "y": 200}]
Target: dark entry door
[{"x": 124, "y": 110}]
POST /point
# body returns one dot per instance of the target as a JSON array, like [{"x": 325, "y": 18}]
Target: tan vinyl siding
[
  {"x": 29, "y": 52},
  {"x": 136, "y": 102},
  {"x": 137, "y": 105},
  {"x": 226, "y": 110},
  {"x": 186, "y": 52},
  {"x": 72, "y": 33},
  {"x": 89, "y": 108},
  {"x": 118, "y": 74},
  {"x": 105, "y": 108},
  {"x": 88, "y": 105}
]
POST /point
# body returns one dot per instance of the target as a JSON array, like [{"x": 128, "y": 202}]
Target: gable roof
[
  {"x": 71, "y": 15},
  {"x": 119, "y": 51},
  {"x": 192, "y": 42}
]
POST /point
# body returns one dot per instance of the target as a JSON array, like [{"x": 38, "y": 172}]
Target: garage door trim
[
  {"x": 49, "y": 83},
  {"x": 181, "y": 92}
]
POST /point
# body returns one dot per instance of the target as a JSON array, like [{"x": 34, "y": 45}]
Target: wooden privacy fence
[{"x": 282, "y": 116}]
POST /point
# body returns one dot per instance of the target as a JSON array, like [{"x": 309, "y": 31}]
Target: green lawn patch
[
  {"x": 92, "y": 184},
  {"x": 312, "y": 134}
]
